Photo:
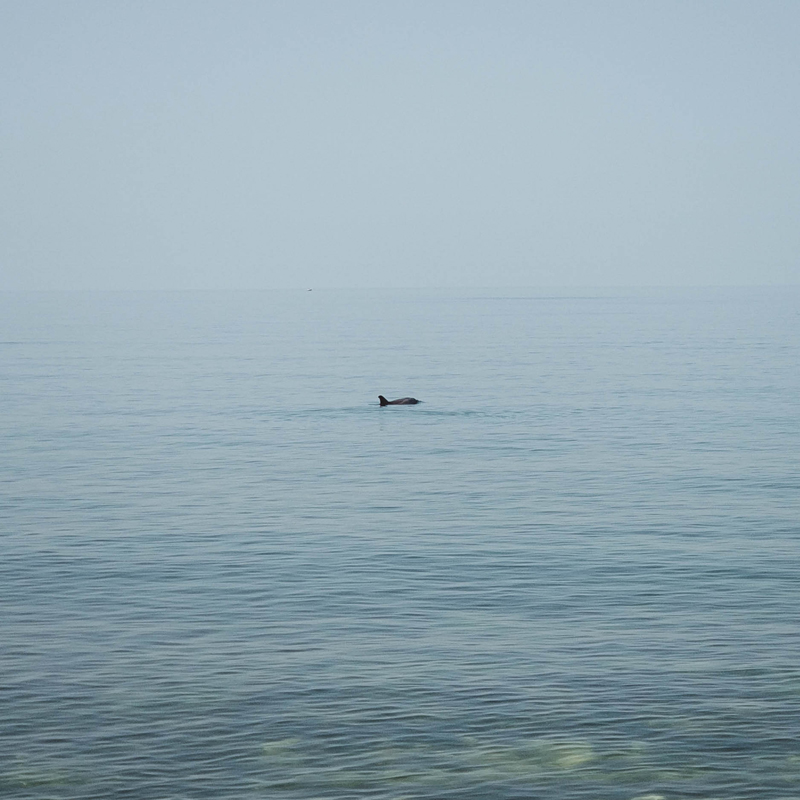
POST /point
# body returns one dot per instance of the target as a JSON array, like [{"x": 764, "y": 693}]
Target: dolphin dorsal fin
[{"x": 384, "y": 401}]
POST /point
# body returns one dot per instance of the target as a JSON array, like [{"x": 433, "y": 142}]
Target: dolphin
[{"x": 403, "y": 401}]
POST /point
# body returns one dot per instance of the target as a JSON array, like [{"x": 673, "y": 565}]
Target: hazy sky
[{"x": 204, "y": 144}]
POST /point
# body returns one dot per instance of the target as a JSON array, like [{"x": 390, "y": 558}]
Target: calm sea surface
[{"x": 573, "y": 571}]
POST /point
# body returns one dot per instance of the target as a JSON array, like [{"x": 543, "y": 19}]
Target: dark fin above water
[{"x": 384, "y": 401}]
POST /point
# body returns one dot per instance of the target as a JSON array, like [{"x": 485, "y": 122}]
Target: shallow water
[{"x": 570, "y": 572}]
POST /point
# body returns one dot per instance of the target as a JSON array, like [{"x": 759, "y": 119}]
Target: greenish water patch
[
  {"x": 469, "y": 761},
  {"x": 25, "y": 774}
]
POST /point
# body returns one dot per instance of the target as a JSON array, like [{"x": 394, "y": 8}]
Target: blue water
[{"x": 573, "y": 571}]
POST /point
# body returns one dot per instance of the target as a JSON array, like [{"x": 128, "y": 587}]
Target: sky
[{"x": 415, "y": 143}]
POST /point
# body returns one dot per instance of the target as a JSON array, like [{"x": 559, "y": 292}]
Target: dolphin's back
[{"x": 403, "y": 401}]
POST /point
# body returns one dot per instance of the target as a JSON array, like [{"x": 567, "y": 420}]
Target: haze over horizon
[{"x": 250, "y": 145}]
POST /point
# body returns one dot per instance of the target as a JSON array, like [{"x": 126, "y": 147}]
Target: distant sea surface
[{"x": 572, "y": 571}]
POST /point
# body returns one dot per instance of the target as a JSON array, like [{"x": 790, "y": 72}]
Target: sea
[{"x": 571, "y": 571}]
